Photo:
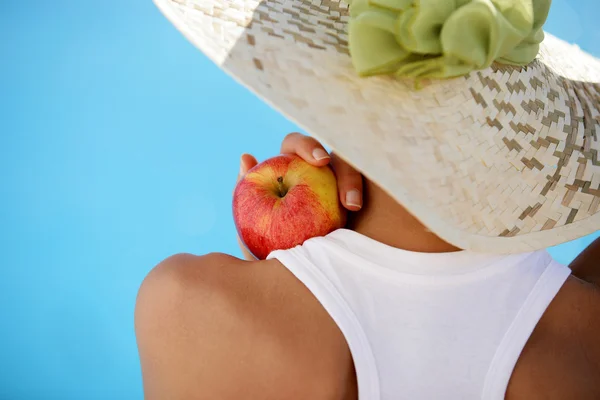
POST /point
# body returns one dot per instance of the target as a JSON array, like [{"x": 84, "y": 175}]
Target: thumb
[{"x": 247, "y": 161}]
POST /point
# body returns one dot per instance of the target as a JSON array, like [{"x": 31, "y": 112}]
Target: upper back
[{"x": 438, "y": 326}]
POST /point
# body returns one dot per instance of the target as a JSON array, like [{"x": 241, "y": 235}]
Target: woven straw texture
[{"x": 503, "y": 160}]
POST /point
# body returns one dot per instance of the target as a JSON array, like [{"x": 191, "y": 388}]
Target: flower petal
[
  {"x": 374, "y": 50},
  {"x": 420, "y": 27}
]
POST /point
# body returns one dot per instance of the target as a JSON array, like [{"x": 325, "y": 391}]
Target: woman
[
  {"x": 440, "y": 287},
  {"x": 216, "y": 327}
]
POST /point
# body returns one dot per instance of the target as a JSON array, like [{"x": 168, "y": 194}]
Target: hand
[{"x": 349, "y": 180}]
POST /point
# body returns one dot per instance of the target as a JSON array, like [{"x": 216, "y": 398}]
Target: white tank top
[{"x": 427, "y": 326}]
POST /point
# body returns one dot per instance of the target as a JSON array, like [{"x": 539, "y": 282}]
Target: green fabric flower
[{"x": 443, "y": 38}]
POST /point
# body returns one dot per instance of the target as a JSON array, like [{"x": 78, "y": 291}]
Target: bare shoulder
[
  {"x": 561, "y": 360},
  {"x": 215, "y": 326}
]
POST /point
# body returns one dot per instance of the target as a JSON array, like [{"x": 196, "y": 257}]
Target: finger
[
  {"x": 350, "y": 184},
  {"x": 309, "y": 149},
  {"x": 247, "y": 162}
]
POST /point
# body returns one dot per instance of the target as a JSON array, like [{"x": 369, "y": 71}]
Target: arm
[
  {"x": 587, "y": 265},
  {"x": 561, "y": 359}
]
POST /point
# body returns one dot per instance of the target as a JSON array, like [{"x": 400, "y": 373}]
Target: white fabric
[{"x": 427, "y": 326}]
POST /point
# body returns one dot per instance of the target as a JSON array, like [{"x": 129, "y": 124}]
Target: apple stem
[{"x": 282, "y": 191}]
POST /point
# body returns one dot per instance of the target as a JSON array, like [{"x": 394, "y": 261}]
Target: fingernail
[
  {"x": 319, "y": 154},
  {"x": 353, "y": 198}
]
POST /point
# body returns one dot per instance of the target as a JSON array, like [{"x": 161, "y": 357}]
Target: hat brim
[{"x": 503, "y": 160}]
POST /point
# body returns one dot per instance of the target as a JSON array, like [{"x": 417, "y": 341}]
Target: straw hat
[{"x": 499, "y": 158}]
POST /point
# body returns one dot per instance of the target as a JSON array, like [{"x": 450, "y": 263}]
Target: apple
[{"x": 284, "y": 201}]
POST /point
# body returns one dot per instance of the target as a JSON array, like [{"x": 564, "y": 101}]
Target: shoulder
[
  {"x": 245, "y": 287},
  {"x": 216, "y": 277},
  {"x": 562, "y": 356},
  {"x": 254, "y": 312},
  {"x": 216, "y": 272}
]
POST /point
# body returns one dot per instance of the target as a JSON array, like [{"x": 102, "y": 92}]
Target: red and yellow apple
[{"x": 284, "y": 201}]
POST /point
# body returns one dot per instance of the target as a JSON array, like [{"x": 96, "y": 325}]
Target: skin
[{"x": 217, "y": 327}]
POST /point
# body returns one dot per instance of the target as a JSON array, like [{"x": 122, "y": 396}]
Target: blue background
[{"x": 120, "y": 145}]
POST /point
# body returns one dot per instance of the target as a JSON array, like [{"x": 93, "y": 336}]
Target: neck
[{"x": 386, "y": 221}]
